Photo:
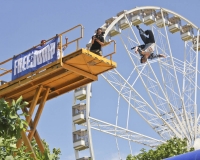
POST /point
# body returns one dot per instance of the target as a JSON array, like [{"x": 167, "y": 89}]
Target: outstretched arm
[
  {"x": 66, "y": 44},
  {"x": 140, "y": 46}
]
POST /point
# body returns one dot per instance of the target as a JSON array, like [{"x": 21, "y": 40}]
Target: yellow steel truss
[{"x": 68, "y": 73}]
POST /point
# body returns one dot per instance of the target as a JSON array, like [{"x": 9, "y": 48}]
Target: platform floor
[{"x": 78, "y": 69}]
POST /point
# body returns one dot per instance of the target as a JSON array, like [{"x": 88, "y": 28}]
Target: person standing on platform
[{"x": 97, "y": 42}]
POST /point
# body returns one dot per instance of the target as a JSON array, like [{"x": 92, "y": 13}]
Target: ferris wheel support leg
[
  {"x": 166, "y": 95},
  {"x": 88, "y": 95},
  {"x": 173, "y": 69},
  {"x": 195, "y": 98},
  {"x": 184, "y": 82}
]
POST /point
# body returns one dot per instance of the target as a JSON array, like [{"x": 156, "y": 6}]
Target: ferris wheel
[{"x": 163, "y": 91}]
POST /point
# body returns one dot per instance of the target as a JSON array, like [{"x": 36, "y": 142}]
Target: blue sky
[{"x": 24, "y": 23}]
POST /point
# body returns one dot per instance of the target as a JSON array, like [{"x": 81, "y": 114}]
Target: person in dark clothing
[
  {"x": 97, "y": 42},
  {"x": 146, "y": 50},
  {"x": 43, "y": 42}
]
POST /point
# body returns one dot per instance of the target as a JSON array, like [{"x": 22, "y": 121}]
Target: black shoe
[
  {"x": 138, "y": 27},
  {"x": 132, "y": 48}
]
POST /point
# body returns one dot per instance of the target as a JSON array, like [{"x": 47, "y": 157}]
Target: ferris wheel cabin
[
  {"x": 136, "y": 17},
  {"x": 174, "y": 24},
  {"x": 187, "y": 32},
  {"x": 79, "y": 113},
  {"x": 80, "y": 139},
  {"x": 195, "y": 44},
  {"x": 149, "y": 16},
  {"x": 162, "y": 20}
]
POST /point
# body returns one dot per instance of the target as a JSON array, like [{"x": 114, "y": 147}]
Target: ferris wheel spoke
[
  {"x": 188, "y": 90},
  {"x": 139, "y": 73},
  {"x": 124, "y": 133},
  {"x": 170, "y": 51},
  {"x": 141, "y": 104},
  {"x": 116, "y": 123},
  {"x": 148, "y": 107},
  {"x": 142, "y": 79},
  {"x": 169, "y": 85},
  {"x": 174, "y": 111},
  {"x": 196, "y": 82},
  {"x": 177, "y": 110},
  {"x": 178, "y": 65},
  {"x": 161, "y": 71},
  {"x": 198, "y": 127},
  {"x": 189, "y": 85},
  {"x": 130, "y": 26},
  {"x": 176, "y": 80},
  {"x": 127, "y": 120},
  {"x": 127, "y": 50}
]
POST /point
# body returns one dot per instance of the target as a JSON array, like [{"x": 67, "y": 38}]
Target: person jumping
[{"x": 146, "y": 50}]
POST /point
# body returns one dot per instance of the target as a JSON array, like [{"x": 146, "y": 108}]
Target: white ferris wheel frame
[{"x": 125, "y": 133}]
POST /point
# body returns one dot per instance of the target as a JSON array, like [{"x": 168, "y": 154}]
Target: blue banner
[
  {"x": 195, "y": 155},
  {"x": 34, "y": 59}
]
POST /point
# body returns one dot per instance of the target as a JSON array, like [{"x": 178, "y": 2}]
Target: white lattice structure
[{"x": 162, "y": 91}]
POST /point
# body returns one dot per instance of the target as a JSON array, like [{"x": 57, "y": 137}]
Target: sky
[{"x": 24, "y": 23}]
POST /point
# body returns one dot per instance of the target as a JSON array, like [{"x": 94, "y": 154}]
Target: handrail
[
  {"x": 75, "y": 40},
  {"x": 8, "y": 71},
  {"x": 113, "y": 51},
  {"x": 3, "y": 69},
  {"x": 57, "y": 35},
  {"x": 6, "y": 61}
]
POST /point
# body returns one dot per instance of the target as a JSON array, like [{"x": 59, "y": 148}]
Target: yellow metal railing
[
  {"x": 75, "y": 40},
  {"x": 110, "y": 55},
  {"x": 60, "y": 37}
]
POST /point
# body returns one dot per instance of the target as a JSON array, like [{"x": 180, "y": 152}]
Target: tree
[
  {"x": 11, "y": 124},
  {"x": 47, "y": 155},
  {"x": 172, "y": 147}
]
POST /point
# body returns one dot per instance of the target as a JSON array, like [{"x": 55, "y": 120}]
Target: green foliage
[
  {"x": 174, "y": 146},
  {"x": 47, "y": 155},
  {"x": 11, "y": 125},
  {"x": 8, "y": 148}
]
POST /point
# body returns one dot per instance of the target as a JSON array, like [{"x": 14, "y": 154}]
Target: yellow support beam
[
  {"x": 33, "y": 104},
  {"x": 28, "y": 144},
  {"x": 38, "y": 114},
  {"x": 31, "y": 110},
  {"x": 80, "y": 72},
  {"x": 36, "y": 135}
]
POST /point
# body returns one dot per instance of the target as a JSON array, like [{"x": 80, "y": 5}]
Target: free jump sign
[{"x": 34, "y": 59}]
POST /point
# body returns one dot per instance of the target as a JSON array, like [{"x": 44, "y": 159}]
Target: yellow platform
[
  {"x": 78, "y": 68},
  {"x": 72, "y": 71}
]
